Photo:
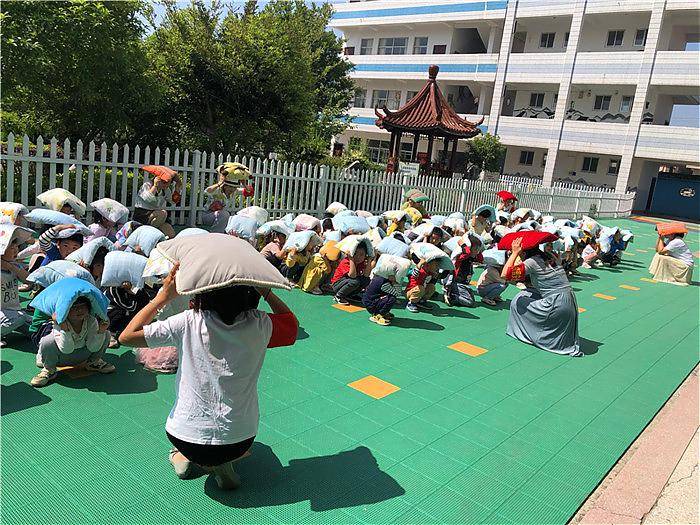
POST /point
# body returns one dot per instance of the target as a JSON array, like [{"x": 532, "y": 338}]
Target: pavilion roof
[{"x": 428, "y": 113}]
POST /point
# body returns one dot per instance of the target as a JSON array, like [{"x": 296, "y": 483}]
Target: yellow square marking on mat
[
  {"x": 374, "y": 387},
  {"x": 697, "y": 255},
  {"x": 628, "y": 287},
  {"x": 603, "y": 296},
  {"x": 75, "y": 372},
  {"x": 468, "y": 349},
  {"x": 647, "y": 280},
  {"x": 642, "y": 251},
  {"x": 581, "y": 310},
  {"x": 473, "y": 283},
  {"x": 348, "y": 308}
]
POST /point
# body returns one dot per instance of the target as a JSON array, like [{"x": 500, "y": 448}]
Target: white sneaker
[
  {"x": 43, "y": 378},
  {"x": 587, "y": 266},
  {"x": 226, "y": 477},
  {"x": 101, "y": 366}
]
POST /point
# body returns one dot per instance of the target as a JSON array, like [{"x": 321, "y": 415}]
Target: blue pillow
[
  {"x": 350, "y": 224},
  {"x": 45, "y": 276},
  {"x": 52, "y": 218},
  {"x": 300, "y": 240},
  {"x": 243, "y": 227},
  {"x": 332, "y": 235},
  {"x": 346, "y": 213},
  {"x": 391, "y": 246},
  {"x": 60, "y": 296},
  {"x": 146, "y": 237},
  {"x": 438, "y": 220},
  {"x": 121, "y": 267}
]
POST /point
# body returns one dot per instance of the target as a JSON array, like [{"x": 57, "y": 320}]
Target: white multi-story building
[{"x": 577, "y": 90}]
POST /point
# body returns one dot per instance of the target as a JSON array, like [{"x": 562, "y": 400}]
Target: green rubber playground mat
[{"x": 488, "y": 431}]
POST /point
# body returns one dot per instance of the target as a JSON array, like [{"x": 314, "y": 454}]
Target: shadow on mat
[
  {"x": 302, "y": 334},
  {"x": 129, "y": 377},
  {"x": 346, "y": 479},
  {"x": 588, "y": 346},
  {"x": 407, "y": 322},
  {"x": 5, "y": 366},
  {"x": 503, "y": 305},
  {"x": 585, "y": 277},
  {"x": 451, "y": 312},
  {"x": 19, "y": 396}
]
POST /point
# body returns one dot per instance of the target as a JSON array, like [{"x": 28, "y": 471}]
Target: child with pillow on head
[
  {"x": 380, "y": 297},
  {"x": 81, "y": 339},
  {"x": 123, "y": 234},
  {"x": 351, "y": 276},
  {"x": 155, "y": 196},
  {"x": 321, "y": 266},
  {"x": 273, "y": 250},
  {"x": 296, "y": 260},
  {"x": 12, "y": 317},
  {"x": 491, "y": 285},
  {"x": 58, "y": 242},
  {"x": 102, "y": 227},
  {"x": 421, "y": 285},
  {"x": 591, "y": 253},
  {"x": 457, "y": 289}
]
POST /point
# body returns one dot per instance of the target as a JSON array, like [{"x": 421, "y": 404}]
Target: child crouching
[
  {"x": 79, "y": 339},
  {"x": 12, "y": 317},
  {"x": 383, "y": 291},
  {"x": 352, "y": 275},
  {"x": 491, "y": 285},
  {"x": 319, "y": 268}
]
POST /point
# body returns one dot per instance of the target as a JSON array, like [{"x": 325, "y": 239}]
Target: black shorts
[{"x": 211, "y": 455}]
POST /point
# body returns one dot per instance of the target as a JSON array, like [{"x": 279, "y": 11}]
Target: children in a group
[
  {"x": 421, "y": 285},
  {"x": 591, "y": 253},
  {"x": 81, "y": 339},
  {"x": 102, "y": 227},
  {"x": 295, "y": 261},
  {"x": 379, "y": 298},
  {"x": 457, "y": 285},
  {"x": 351, "y": 276},
  {"x": 613, "y": 256},
  {"x": 124, "y": 302},
  {"x": 491, "y": 285},
  {"x": 319, "y": 268}
]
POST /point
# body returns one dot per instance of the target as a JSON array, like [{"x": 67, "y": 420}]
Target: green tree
[
  {"x": 74, "y": 69},
  {"x": 486, "y": 153}
]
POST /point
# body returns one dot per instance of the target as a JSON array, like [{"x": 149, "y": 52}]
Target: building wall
[
  {"x": 585, "y": 104},
  {"x": 594, "y": 34},
  {"x": 437, "y": 35},
  {"x": 536, "y": 26}
]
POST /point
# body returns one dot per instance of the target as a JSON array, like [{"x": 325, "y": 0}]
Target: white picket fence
[{"x": 281, "y": 187}]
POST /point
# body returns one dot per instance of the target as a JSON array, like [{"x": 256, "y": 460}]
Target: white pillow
[
  {"x": 123, "y": 267},
  {"x": 111, "y": 209},
  {"x": 56, "y": 198},
  {"x": 255, "y": 212},
  {"x": 335, "y": 208},
  {"x": 145, "y": 237},
  {"x": 216, "y": 260},
  {"x": 87, "y": 252},
  {"x": 351, "y": 242}
]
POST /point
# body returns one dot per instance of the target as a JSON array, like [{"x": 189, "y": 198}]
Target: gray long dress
[{"x": 546, "y": 316}]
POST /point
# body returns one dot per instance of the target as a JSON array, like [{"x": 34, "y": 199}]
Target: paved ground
[{"x": 492, "y": 431}]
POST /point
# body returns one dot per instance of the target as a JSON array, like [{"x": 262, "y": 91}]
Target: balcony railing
[
  {"x": 479, "y": 66},
  {"x": 670, "y": 143}
]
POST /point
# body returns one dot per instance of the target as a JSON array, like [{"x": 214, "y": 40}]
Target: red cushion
[
  {"x": 506, "y": 195},
  {"x": 162, "y": 172},
  {"x": 669, "y": 228},
  {"x": 531, "y": 239}
]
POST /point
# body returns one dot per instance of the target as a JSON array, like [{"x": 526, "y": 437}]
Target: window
[
  {"x": 615, "y": 37},
  {"x": 420, "y": 45},
  {"x": 566, "y": 40},
  {"x": 389, "y": 97},
  {"x": 406, "y": 151},
  {"x": 366, "y": 46},
  {"x": 360, "y": 98},
  {"x": 547, "y": 39},
  {"x": 556, "y": 98},
  {"x": 536, "y": 100},
  {"x": 613, "y": 167},
  {"x": 392, "y": 46},
  {"x": 440, "y": 49},
  {"x": 602, "y": 102},
  {"x": 526, "y": 157},
  {"x": 640, "y": 38},
  {"x": 626, "y": 104},
  {"x": 410, "y": 95},
  {"x": 349, "y": 51},
  {"x": 378, "y": 150},
  {"x": 590, "y": 164}
]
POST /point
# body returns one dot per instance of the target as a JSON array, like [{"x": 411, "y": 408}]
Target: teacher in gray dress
[{"x": 545, "y": 314}]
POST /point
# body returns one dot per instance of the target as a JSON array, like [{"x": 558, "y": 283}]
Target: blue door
[{"x": 676, "y": 197}]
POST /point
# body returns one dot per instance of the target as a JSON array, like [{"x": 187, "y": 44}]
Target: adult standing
[
  {"x": 545, "y": 314},
  {"x": 221, "y": 343}
]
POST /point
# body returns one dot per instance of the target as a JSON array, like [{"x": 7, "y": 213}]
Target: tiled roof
[{"x": 429, "y": 113}]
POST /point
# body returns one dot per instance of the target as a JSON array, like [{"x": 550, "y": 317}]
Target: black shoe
[{"x": 341, "y": 300}]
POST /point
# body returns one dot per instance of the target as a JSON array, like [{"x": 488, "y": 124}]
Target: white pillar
[
  {"x": 495, "y": 35},
  {"x": 640, "y": 95},
  {"x": 485, "y": 94},
  {"x": 564, "y": 88},
  {"x": 503, "y": 55}
]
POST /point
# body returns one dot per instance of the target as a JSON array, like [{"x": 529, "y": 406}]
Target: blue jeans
[{"x": 492, "y": 290}]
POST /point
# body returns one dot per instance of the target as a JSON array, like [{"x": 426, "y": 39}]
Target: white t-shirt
[
  {"x": 217, "y": 379},
  {"x": 678, "y": 249},
  {"x": 10, "y": 291}
]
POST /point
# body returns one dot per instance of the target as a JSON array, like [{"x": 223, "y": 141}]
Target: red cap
[
  {"x": 162, "y": 172},
  {"x": 531, "y": 239},
  {"x": 506, "y": 195}
]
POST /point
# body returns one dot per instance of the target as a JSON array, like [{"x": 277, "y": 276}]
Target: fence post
[
  {"x": 578, "y": 203},
  {"x": 194, "y": 186},
  {"x": 617, "y": 207},
  {"x": 551, "y": 200},
  {"x": 463, "y": 200},
  {"x": 322, "y": 195}
]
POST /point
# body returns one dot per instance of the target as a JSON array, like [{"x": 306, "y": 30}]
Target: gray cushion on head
[{"x": 215, "y": 260}]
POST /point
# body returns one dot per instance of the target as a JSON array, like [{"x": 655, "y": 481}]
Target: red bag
[
  {"x": 177, "y": 197},
  {"x": 248, "y": 191}
]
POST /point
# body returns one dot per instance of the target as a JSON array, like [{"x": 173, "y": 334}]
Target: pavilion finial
[{"x": 433, "y": 71}]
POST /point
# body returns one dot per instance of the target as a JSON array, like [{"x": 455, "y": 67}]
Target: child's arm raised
[{"x": 133, "y": 334}]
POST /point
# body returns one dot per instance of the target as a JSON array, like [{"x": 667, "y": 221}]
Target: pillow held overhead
[
  {"x": 215, "y": 260},
  {"x": 111, "y": 209},
  {"x": 56, "y": 198},
  {"x": 59, "y": 297}
]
